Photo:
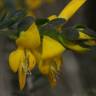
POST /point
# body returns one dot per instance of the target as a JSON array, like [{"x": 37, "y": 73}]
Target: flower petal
[
  {"x": 44, "y": 67},
  {"x": 58, "y": 60},
  {"x": 29, "y": 38},
  {"x": 51, "y": 48},
  {"x": 31, "y": 59},
  {"x": 22, "y": 77},
  {"x": 15, "y": 59},
  {"x": 37, "y": 55},
  {"x": 84, "y": 36},
  {"x": 52, "y": 17},
  {"x": 77, "y": 48},
  {"x": 52, "y": 79},
  {"x": 71, "y": 8}
]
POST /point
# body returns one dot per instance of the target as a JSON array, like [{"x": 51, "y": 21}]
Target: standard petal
[
  {"x": 51, "y": 48},
  {"x": 29, "y": 38}
]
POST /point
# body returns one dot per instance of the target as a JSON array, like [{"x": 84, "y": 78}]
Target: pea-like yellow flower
[
  {"x": 49, "y": 58},
  {"x": 51, "y": 61},
  {"x": 22, "y": 61}
]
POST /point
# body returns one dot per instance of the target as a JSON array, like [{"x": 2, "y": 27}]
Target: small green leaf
[
  {"x": 25, "y": 23},
  {"x": 70, "y": 33},
  {"x": 9, "y": 21},
  {"x": 54, "y": 23}
]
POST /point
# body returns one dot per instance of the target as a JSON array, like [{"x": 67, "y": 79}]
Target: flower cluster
[
  {"x": 42, "y": 43},
  {"x": 31, "y": 52}
]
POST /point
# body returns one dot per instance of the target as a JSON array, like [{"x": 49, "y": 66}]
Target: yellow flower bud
[
  {"x": 52, "y": 17},
  {"x": 84, "y": 36},
  {"x": 71, "y": 8},
  {"x": 77, "y": 48}
]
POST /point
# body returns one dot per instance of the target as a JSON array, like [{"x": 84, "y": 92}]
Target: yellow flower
[
  {"x": 29, "y": 38},
  {"x": 51, "y": 61},
  {"x": 47, "y": 55},
  {"x": 22, "y": 61},
  {"x": 49, "y": 58}
]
